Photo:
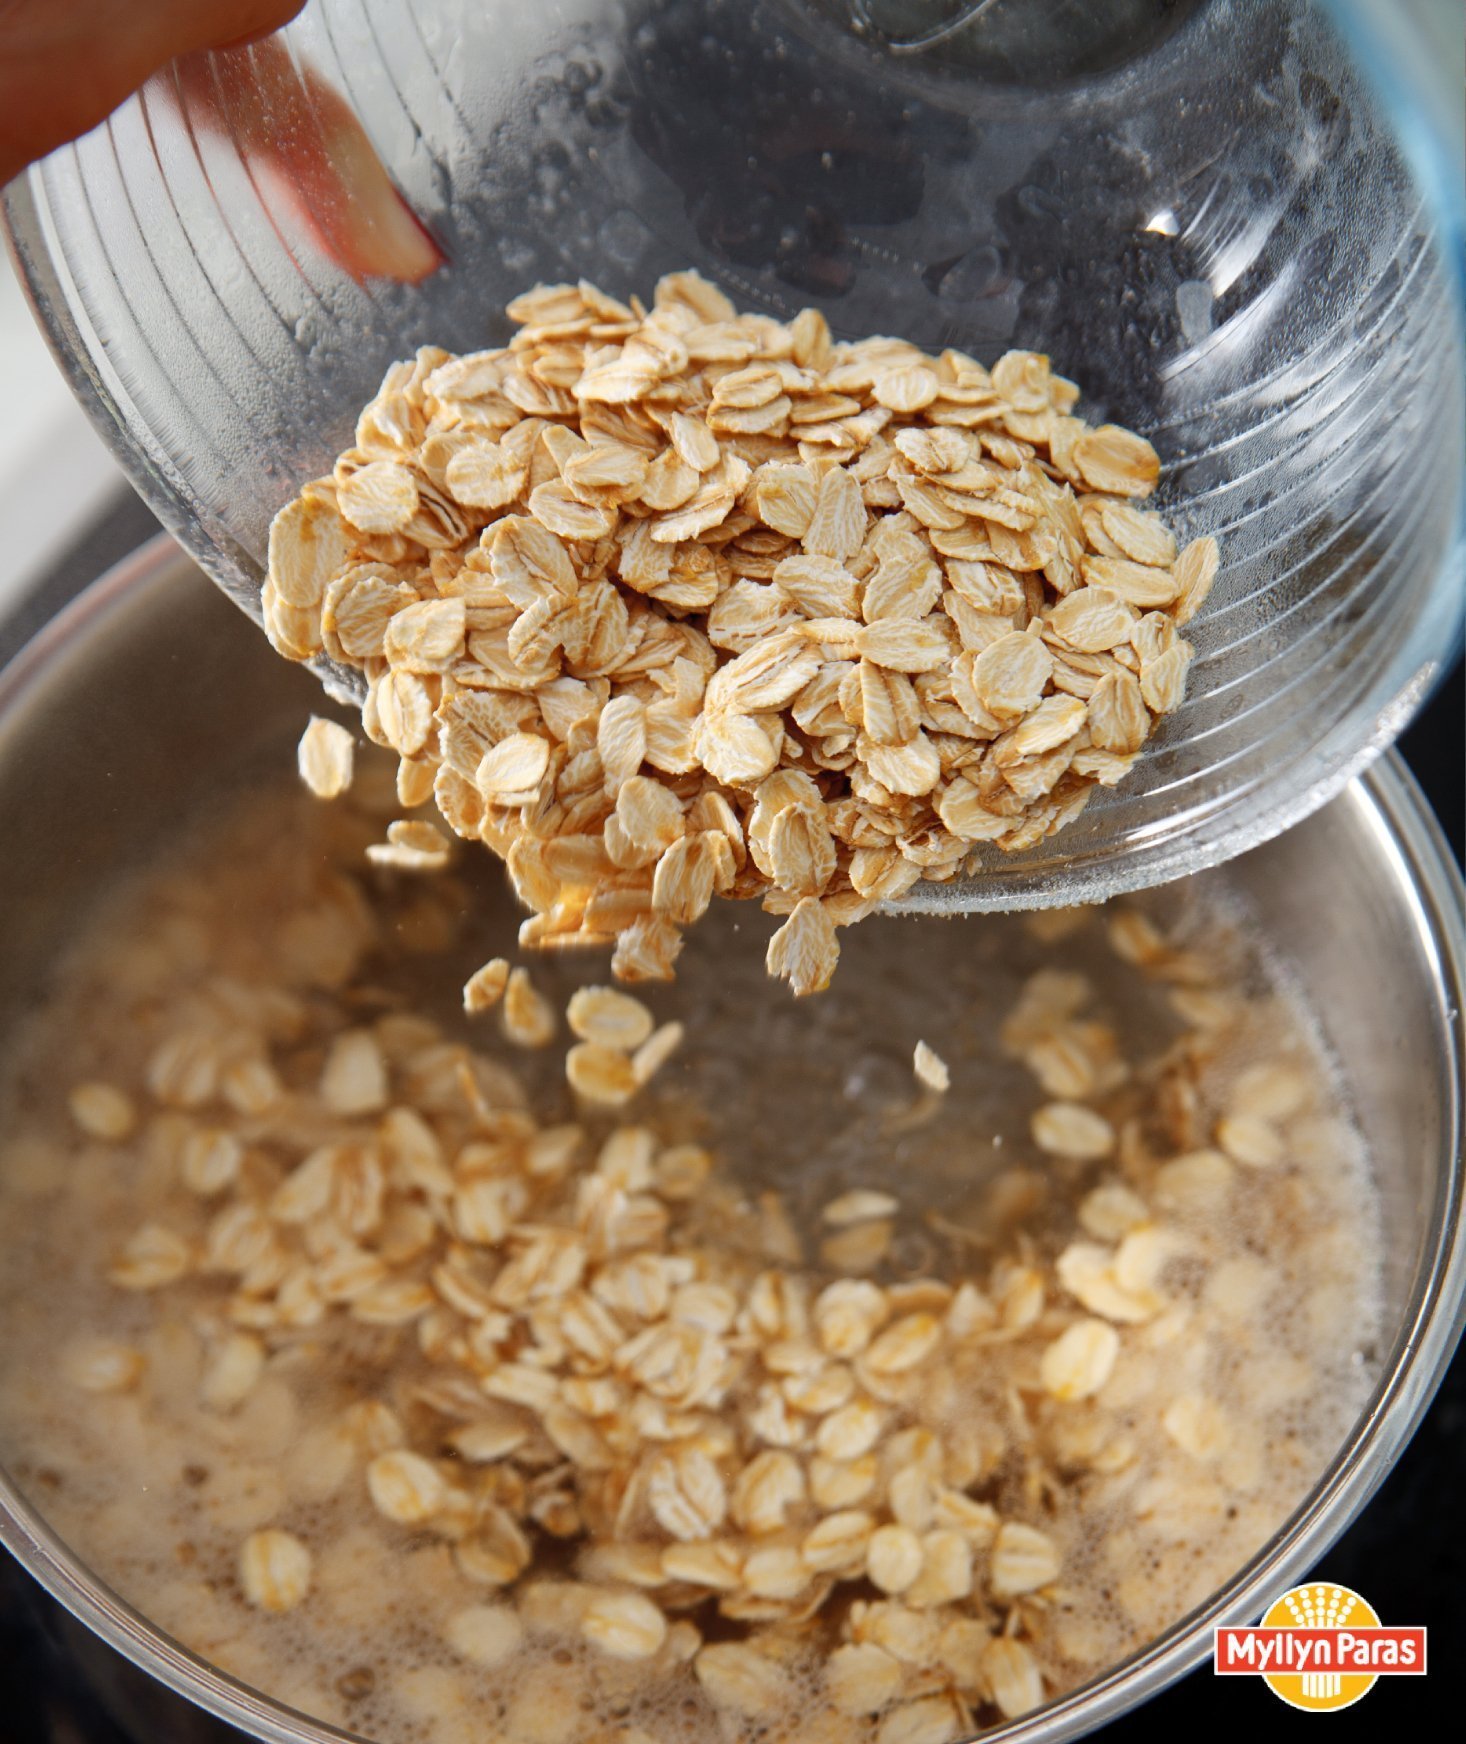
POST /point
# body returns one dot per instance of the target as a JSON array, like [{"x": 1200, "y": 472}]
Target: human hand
[{"x": 66, "y": 64}]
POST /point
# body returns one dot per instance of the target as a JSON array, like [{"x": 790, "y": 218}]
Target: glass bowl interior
[{"x": 1200, "y": 209}]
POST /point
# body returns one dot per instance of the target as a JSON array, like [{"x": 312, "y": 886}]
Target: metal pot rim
[{"x": 1424, "y": 872}]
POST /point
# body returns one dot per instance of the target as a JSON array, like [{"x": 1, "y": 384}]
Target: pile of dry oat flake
[{"x": 673, "y": 603}]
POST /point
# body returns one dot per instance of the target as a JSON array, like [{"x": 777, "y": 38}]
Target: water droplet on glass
[
  {"x": 578, "y": 77},
  {"x": 1194, "y": 306},
  {"x": 974, "y": 275},
  {"x": 624, "y": 237}
]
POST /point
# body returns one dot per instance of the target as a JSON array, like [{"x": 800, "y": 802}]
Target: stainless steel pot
[{"x": 151, "y": 690}]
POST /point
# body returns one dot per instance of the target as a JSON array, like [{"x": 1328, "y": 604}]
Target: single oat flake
[
  {"x": 931, "y": 1069},
  {"x": 670, "y": 604},
  {"x": 326, "y": 756}
]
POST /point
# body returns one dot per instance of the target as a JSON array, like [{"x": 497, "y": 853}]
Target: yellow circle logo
[
  {"x": 1319, "y": 1648},
  {"x": 1321, "y": 1606}
]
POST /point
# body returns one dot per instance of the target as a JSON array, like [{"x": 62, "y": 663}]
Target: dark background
[{"x": 1404, "y": 1554}]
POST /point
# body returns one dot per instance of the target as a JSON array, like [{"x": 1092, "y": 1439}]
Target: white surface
[{"x": 55, "y": 472}]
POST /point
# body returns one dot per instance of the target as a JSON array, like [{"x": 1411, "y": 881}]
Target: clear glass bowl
[{"x": 1200, "y": 209}]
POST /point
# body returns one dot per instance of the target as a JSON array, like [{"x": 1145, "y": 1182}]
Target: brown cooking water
[{"x": 155, "y": 1493}]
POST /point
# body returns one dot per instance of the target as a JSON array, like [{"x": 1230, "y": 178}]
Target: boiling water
[{"x": 1272, "y": 1294}]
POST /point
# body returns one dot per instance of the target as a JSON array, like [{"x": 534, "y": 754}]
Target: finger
[
  {"x": 316, "y": 157},
  {"x": 182, "y": 25}
]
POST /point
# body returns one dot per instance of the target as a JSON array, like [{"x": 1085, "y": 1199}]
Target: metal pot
[{"x": 149, "y": 691}]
